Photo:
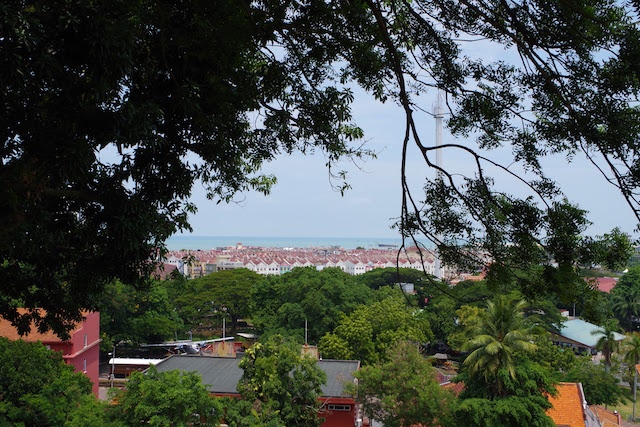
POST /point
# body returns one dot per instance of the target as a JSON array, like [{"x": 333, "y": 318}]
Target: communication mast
[{"x": 438, "y": 114}]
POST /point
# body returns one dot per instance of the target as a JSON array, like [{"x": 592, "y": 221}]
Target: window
[
  {"x": 84, "y": 366},
  {"x": 85, "y": 340},
  {"x": 339, "y": 407}
]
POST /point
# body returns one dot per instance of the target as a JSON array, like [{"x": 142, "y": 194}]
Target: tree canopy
[
  {"x": 37, "y": 387},
  {"x": 371, "y": 330},
  {"x": 113, "y": 110},
  {"x": 170, "y": 398},
  {"x": 403, "y": 391},
  {"x": 283, "y": 304},
  {"x": 279, "y": 387}
]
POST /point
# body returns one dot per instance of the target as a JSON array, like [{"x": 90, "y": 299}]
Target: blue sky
[{"x": 303, "y": 202}]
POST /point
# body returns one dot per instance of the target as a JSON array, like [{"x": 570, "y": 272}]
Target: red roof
[
  {"x": 568, "y": 405},
  {"x": 605, "y": 284}
]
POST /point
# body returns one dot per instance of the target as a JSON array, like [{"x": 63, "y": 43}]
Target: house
[
  {"x": 604, "y": 284},
  {"x": 578, "y": 334},
  {"x": 81, "y": 350},
  {"x": 570, "y": 408},
  {"x": 221, "y": 376}
]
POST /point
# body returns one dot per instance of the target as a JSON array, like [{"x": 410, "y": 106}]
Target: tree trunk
[{"x": 635, "y": 389}]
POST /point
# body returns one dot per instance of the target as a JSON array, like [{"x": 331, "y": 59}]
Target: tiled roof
[
  {"x": 607, "y": 418},
  {"x": 8, "y": 331},
  {"x": 568, "y": 405},
  {"x": 605, "y": 284}
]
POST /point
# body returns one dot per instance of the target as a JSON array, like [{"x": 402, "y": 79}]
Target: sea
[{"x": 179, "y": 242}]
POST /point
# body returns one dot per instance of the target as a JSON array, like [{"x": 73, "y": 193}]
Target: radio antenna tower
[{"x": 438, "y": 114}]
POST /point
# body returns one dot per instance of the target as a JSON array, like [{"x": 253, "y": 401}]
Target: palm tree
[
  {"x": 502, "y": 333},
  {"x": 625, "y": 302},
  {"x": 607, "y": 343},
  {"x": 632, "y": 356}
]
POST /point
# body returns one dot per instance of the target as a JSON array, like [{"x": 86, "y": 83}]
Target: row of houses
[{"x": 278, "y": 261}]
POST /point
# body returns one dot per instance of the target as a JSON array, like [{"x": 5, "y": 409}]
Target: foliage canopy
[{"x": 112, "y": 110}]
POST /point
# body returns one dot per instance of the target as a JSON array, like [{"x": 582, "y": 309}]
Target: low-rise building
[
  {"x": 81, "y": 350},
  {"x": 221, "y": 377}
]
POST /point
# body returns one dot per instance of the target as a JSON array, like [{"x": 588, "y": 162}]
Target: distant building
[
  {"x": 81, "y": 350},
  {"x": 577, "y": 334}
]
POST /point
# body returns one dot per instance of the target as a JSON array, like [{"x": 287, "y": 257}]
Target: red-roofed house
[
  {"x": 604, "y": 284},
  {"x": 81, "y": 350},
  {"x": 570, "y": 407}
]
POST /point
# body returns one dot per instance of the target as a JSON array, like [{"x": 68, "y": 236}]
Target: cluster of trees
[{"x": 510, "y": 364}]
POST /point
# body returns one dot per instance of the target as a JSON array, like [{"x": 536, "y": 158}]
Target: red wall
[{"x": 338, "y": 418}]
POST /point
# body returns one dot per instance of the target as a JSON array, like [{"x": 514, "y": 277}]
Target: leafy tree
[
  {"x": 279, "y": 387},
  {"x": 37, "y": 387},
  {"x": 632, "y": 357},
  {"x": 625, "y": 303},
  {"x": 227, "y": 292},
  {"x": 500, "y": 334},
  {"x": 283, "y": 303},
  {"x": 468, "y": 319},
  {"x": 371, "y": 330},
  {"x": 136, "y": 315},
  {"x": 600, "y": 386},
  {"x": 112, "y": 111},
  {"x": 441, "y": 314},
  {"x": 557, "y": 360},
  {"x": 403, "y": 391},
  {"x": 522, "y": 402},
  {"x": 170, "y": 398}
]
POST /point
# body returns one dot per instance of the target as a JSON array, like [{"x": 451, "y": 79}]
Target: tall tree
[
  {"x": 502, "y": 332},
  {"x": 171, "y": 398},
  {"x": 283, "y": 304},
  {"x": 523, "y": 403},
  {"x": 113, "y": 110},
  {"x": 601, "y": 387},
  {"x": 279, "y": 387},
  {"x": 403, "y": 391},
  {"x": 608, "y": 341},
  {"x": 625, "y": 303},
  {"x": 632, "y": 357},
  {"x": 371, "y": 330},
  {"x": 37, "y": 387},
  {"x": 226, "y": 292}
]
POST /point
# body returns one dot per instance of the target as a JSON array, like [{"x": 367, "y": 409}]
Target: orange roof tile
[
  {"x": 606, "y": 417},
  {"x": 8, "y": 331},
  {"x": 568, "y": 405}
]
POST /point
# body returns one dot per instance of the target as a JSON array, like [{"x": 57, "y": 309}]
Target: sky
[{"x": 303, "y": 203}]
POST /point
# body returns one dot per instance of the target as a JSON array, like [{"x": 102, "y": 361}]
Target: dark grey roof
[
  {"x": 339, "y": 372},
  {"x": 221, "y": 375}
]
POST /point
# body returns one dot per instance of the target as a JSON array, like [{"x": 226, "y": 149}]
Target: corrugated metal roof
[
  {"x": 221, "y": 375},
  {"x": 339, "y": 373},
  {"x": 580, "y": 331}
]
